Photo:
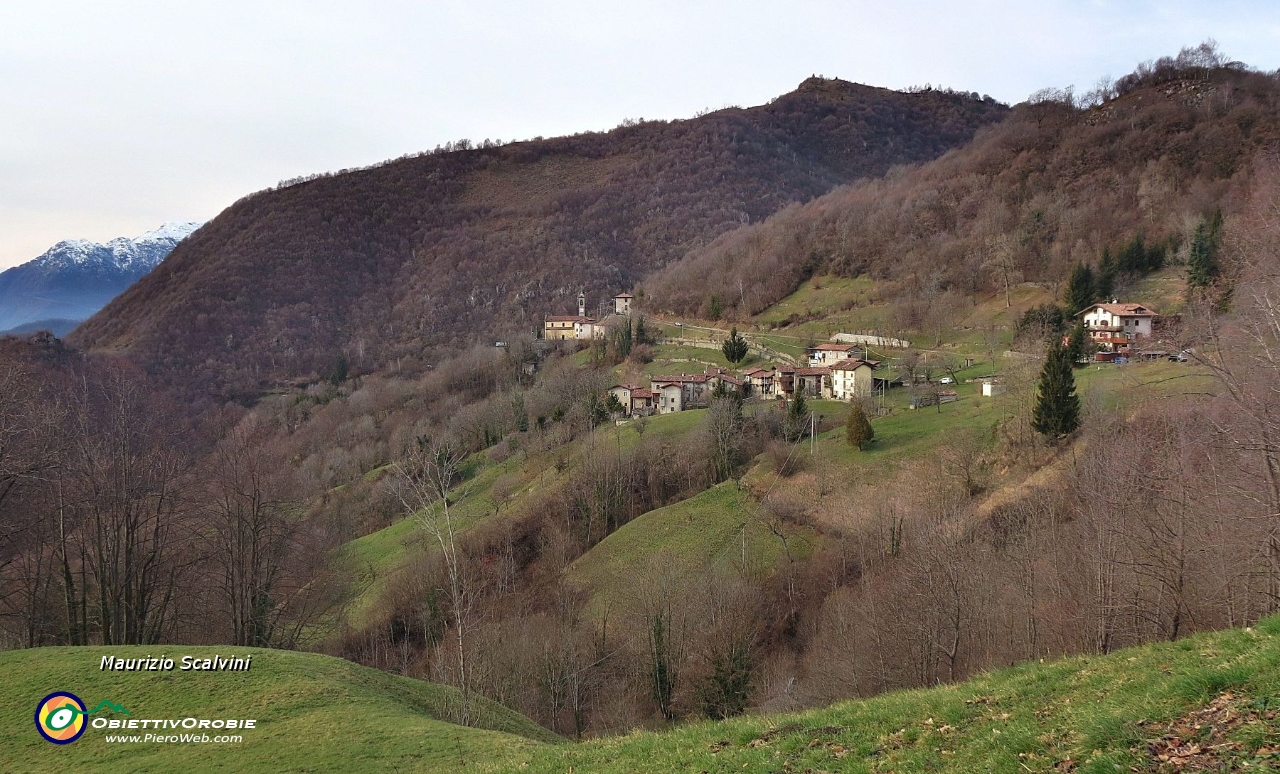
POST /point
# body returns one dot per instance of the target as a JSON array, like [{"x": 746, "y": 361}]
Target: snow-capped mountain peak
[
  {"x": 122, "y": 253},
  {"x": 174, "y": 230},
  {"x": 74, "y": 251},
  {"x": 76, "y": 277}
]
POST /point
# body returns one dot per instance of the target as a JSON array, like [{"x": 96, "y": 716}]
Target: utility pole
[{"x": 813, "y": 426}]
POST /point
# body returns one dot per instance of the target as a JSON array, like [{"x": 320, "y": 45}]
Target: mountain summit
[
  {"x": 401, "y": 264},
  {"x": 76, "y": 277}
]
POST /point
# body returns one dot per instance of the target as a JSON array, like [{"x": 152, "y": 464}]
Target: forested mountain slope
[
  {"x": 1055, "y": 184},
  {"x": 390, "y": 265}
]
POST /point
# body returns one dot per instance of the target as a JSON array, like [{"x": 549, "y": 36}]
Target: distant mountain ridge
[
  {"x": 76, "y": 277},
  {"x": 399, "y": 265}
]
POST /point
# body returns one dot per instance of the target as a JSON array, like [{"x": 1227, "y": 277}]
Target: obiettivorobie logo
[{"x": 61, "y": 716}]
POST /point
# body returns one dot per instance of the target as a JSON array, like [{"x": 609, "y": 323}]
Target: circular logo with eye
[{"x": 60, "y": 717}]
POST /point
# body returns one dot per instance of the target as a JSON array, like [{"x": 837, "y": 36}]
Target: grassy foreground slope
[
  {"x": 315, "y": 713},
  {"x": 376, "y": 559},
  {"x": 690, "y": 541},
  {"x": 1212, "y": 700}
]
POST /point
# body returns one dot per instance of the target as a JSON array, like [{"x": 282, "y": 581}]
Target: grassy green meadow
[
  {"x": 1093, "y": 715},
  {"x": 319, "y": 714},
  {"x": 315, "y": 713}
]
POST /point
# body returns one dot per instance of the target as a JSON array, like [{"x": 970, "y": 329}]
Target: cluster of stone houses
[
  {"x": 580, "y": 326},
  {"x": 841, "y": 374},
  {"x": 833, "y": 370}
]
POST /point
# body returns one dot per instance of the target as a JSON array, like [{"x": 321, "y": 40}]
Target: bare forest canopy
[
  {"x": 392, "y": 265},
  {"x": 1053, "y": 185}
]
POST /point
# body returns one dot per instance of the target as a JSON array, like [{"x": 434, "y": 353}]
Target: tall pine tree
[
  {"x": 1133, "y": 256},
  {"x": 1078, "y": 343},
  {"x": 1202, "y": 262},
  {"x": 735, "y": 347},
  {"x": 1107, "y": 270},
  {"x": 797, "y": 422},
  {"x": 1057, "y": 409},
  {"x": 1080, "y": 290}
]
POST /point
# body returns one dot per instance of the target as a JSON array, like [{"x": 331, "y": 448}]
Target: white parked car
[{"x": 946, "y": 380}]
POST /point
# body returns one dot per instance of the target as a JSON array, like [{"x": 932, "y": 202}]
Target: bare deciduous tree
[
  {"x": 424, "y": 482},
  {"x": 250, "y": 529}
]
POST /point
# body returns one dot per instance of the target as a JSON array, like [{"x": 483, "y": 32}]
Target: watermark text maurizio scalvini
[{"x": 163, "y": 663}]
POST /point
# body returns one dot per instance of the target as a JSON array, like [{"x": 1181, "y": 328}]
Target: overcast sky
[{"x": 117, "y": 116}]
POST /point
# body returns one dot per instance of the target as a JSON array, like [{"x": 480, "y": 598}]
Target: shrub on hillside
[{"x": 785, "y": 459}]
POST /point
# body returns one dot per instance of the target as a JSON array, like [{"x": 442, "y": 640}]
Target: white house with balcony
[{"x": 1116, "y": 327}]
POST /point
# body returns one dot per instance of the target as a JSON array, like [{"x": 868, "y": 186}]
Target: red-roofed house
[
  {"x": 760, "y": 382},
  {"x": 622, "y": 303},
  {"x": 1115, "y": 327},
  {"x": 785, "y": 386},
  {"x": 813, "y": 382},
  {"x": 830, "y": 353},
  {"x": 668, "y": 398},
  {"x": 642, "y": 402},
  {"x": 636, "y": 400},
  {"x": 851, "y": 378},
  {"x": 694, "y": 389},
  {"x": 730, "y": 381}
]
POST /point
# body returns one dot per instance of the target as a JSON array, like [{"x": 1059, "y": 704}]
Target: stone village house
[{"x": 636, "y": 401}]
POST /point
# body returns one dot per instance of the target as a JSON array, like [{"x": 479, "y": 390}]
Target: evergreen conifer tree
[
  {"x": 1077, "y": 343},
  {"x": 1202, "y": 262},
  {"x": 624, "y": 340},
  {"x": 797, "y": 424},
  {"x": 1107, "y": 270},
  {"x": 1133, "y": 256},
  {"x": 1155, "y": 257},
  {"x": 798, "y": 407},
  {"x": 858, "y": 431},
  {"x": 1080, "y": 290},
  {"x": 1057, "y": 409},
  {"x": 735, "y": 347},
  {"x": 642, "y": 334}
]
